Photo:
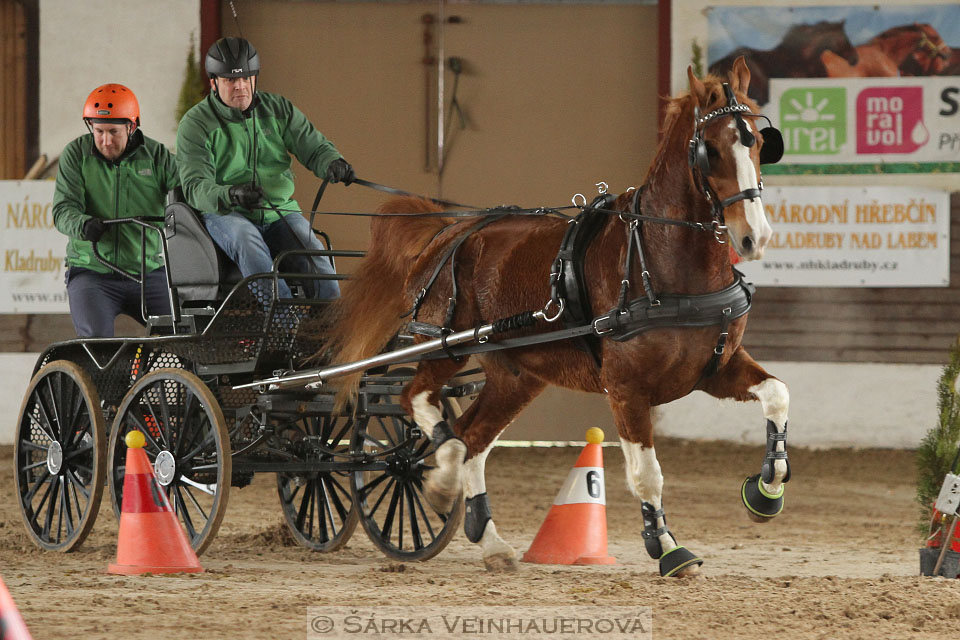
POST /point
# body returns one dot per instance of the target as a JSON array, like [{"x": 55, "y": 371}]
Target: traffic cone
[
  {"x": 150, "y": 539},
  {"x": 575, "y": 529},
  {"x": 12, "y": 626}
]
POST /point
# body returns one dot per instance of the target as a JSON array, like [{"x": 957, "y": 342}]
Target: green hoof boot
[
  {"x": 677, "y": 559},
  {"x": 761, "y": 505}
]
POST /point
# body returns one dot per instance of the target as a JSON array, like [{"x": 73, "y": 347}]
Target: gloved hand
[
  {"x": 93, "y": 229},
  {"x": 341, "y": 171},
  {"x": 246, "y": 195}
]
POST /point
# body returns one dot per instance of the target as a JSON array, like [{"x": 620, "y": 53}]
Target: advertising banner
[
  {"x": 856, "y": 89},
  {"x": 32, "y": 248},
  {"x": 855, "y": 237}
]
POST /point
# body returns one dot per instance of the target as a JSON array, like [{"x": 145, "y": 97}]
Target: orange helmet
[{"x": 112, "y": 103}]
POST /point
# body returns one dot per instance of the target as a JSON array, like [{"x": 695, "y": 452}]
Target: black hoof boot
[
  {"x": 677, "y": 559},
  {"x": 758, "y": 502}
]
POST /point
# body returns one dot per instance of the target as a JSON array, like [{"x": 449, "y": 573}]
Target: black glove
[
  {"x": 93, "y": 229},
  {"x": 246, "y": 195},
  {"x": 341, "y": 171}
]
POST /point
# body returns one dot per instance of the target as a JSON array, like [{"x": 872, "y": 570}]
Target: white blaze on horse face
[{"x": 753, "y": 208}]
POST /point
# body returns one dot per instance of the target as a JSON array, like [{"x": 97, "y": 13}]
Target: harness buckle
[{"x": 597, "y": 330}]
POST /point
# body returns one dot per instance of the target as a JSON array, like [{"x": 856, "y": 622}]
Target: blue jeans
[
  {"x": 96, "y": 299},
  {"x": 252, "y": 247}
]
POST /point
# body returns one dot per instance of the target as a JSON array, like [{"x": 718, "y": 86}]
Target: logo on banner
[
  {"x": 814, "y": 120},
  {"x": 890, "y": 120}
]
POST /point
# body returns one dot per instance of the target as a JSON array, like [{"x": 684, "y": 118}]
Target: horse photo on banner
[{"x": 855, "y": 89}]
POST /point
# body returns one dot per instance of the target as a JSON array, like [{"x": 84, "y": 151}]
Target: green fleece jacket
[
  {"x": 90, "y": 186},
  {"x": 215, "y": 150}
]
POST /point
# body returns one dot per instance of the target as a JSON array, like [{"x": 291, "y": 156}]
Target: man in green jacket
[
  {"x": 112, "y": 172},
  {"x": 233, "y": 150}
]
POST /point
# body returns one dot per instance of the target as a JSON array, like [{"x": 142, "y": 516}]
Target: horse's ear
[
  {"x": 740, "y": 75},
  {"x": 697, "y": 90}
]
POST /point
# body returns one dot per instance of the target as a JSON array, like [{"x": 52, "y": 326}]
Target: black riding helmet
[{"x": 232, "y": 58}]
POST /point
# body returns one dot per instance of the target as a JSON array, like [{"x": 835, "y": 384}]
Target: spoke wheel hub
[
  {"x": 54, "y": 458},
  {"x": 165, "y": 467}
]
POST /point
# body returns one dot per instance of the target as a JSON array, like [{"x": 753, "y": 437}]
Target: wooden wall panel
[
  {"x": 18, "y": 97},
  {"x": 894, "y": 325}
]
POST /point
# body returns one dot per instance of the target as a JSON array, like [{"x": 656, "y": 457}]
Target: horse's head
[
  {"x": 725, "y": 153},
  {"x": 930, "y": 53},
  {"x": 809, "y": 41}
]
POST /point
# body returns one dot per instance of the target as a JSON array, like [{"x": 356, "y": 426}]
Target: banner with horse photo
[{"x": 855, "y": 89}]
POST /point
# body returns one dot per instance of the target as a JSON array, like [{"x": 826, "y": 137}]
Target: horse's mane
[
  {"x": 799, "y": 35},
  {"x": 677, "y": 119}
]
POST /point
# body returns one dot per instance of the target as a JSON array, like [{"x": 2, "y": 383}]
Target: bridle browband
[{"x": 698, "y": 159}]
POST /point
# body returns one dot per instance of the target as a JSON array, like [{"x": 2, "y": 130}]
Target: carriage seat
[{"x": 200, "y": 271}]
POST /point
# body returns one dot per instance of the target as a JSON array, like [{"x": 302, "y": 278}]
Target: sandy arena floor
[{"x": 840, "y": 562}]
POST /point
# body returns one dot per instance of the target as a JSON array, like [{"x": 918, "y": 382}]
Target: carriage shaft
[{"x": 318, "y": 376}]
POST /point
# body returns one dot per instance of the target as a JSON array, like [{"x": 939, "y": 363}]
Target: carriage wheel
[
  {"x": 318, "y": 505},
  {"x": 187, "y": 443},
  {"x": 394, "y": 512},
  {"x": 59, "y": 456}
]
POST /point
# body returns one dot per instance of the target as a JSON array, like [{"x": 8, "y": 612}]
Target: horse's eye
[{"x": 712, "y": 151}]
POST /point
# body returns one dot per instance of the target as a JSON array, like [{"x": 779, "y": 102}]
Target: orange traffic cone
[
  {"x": 575, "y": 530},
  {"x": 12, "y": 626},
  {"x": 150, "y": 539}
]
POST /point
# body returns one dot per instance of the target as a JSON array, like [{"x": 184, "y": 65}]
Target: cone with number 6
[
  {"x": 575, "y": 529},
  {"x": 151, "y": 539}
]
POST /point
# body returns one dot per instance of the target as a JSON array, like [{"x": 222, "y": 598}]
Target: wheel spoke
[
  {"x": 28, "y": 497},
  {"x": 84, "y": 448},
  {"x": 423, "y": 513},
  {"x": 51, "y": 431},
  {"x": 184, "y": 514},
  {"x": 78, "y": 484},
  {"x": 66, "y": 509},
  {"x": 304, "y": 505},
  {"x": 323, "y": 510},
  {"x": 391, "y": 511},
  {"x": 27, "y": 444},
  {"x": 52, "y": 495},
  {"x": 415, "y": 536},
  {"x": 54, "y": 408},
  {"x": 196, "y": 504},
  {"x": 365, "y": 490}
]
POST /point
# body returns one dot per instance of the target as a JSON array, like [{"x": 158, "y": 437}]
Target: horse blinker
[{"x": 772, "y": 149}]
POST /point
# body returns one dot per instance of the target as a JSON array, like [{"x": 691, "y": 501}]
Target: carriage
[
  {"x": 238, "y": 381},
  {"x": 335, "y": 466}
]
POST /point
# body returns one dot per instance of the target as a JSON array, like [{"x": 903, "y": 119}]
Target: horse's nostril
[{"x": 747, "y": 244}]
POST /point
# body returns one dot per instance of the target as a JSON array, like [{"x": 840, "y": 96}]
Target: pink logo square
[{"x": 890, "y": 120}]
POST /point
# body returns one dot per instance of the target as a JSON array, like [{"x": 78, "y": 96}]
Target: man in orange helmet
[{"x": 112, "y": 172}]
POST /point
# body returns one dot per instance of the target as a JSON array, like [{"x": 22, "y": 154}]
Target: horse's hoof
[
  {"x": 761, "y": 506},
  {"x": 501, "y": 563},
  {"x": 679, "y": 562},
  {"x": 758, "y": 519}
]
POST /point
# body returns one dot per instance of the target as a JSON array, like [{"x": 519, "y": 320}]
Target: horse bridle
[
  {"x": 697, "y": 154},
  {"x": 929, "y": 47}
]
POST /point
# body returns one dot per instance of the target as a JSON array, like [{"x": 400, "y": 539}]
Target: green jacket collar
[{"x": 230, "y": 113}]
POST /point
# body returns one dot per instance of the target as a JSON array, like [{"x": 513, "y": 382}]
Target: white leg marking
[
  {"x": 491, "y": 544},
  {"x": 425, "y": 414},
  {"x": 443, "y": 482},
  {"x": 775, "y": 400},
  {"x": 747, "y": 179},
  {"x": 645, "y": 481}
]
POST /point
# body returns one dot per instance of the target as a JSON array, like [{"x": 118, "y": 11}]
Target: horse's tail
[{"x": 369, "y": 312}]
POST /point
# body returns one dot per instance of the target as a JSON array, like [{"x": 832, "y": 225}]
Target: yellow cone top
[
  {"x": 135, "y": 439},
  {"x": 594, "y": 435}
]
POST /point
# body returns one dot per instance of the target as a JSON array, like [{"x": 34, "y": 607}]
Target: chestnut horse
[
  {"x": 504, "y": 268},
  {"x": 909, "y": 50}
]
